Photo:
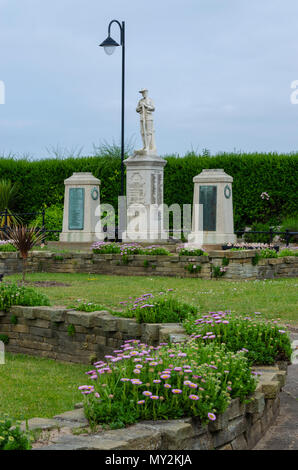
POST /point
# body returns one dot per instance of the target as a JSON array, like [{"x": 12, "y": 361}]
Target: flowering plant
[
  {"x": 141, "y": 382},
  {"x": 182, "y": 251},
  {"x": 128, "y": 249},
  {"x": 157, "y": 309},
  {"x": 12, "y": 438},
  {"x": 193, "y": 268},
  {"x": 11, "y": 294},
  {"x": 264, "y": 342}
]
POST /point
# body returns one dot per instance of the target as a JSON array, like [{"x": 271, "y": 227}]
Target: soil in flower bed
[{"x": 47, "y": 284}]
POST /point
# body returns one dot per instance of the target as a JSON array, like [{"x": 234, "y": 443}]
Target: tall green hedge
[{"x": 41, "y": 181}]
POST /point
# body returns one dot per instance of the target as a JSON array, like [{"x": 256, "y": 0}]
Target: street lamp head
[{"x": 109, "y": 45}]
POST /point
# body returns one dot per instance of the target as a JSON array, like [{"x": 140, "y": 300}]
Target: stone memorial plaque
[
  {"x": 153, "y": 189},
  {"x": 159, "y": 189},
  {"x": 76, "y": 209},
  {"x": 207, "y": 197},
  {"x": 135, "y": 189}
]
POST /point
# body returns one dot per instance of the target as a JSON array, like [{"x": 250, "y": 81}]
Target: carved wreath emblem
[
  {"x": 227, "y": 192},
  {"x": 94, "y": 194}
]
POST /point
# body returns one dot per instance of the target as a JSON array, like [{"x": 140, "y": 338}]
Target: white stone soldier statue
[{"x": 145, "y": 108}]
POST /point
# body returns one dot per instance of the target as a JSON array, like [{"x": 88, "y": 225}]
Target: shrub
[
  {"x": 106, "y": 248},
  {"x": 287, "y": 252},
  {"x": 11, "y": 436},
  {"x": 139, "y": 382},
  {"x": 89, "y": 307},
  {"x": 290, "y": 223},
  {"x": 218, "y": 271},
  {"x": 6, "y": 246},
  {"x": 191, "y": 252},
  {"x": 193, "y": 268},
  {"x": 268, "y": 253},
  {"x": 4, "y": 339},
  {"x": 155, "y": 250},
  {"x": 258, "y": 237},
  {"x": 53, "y": 221},
  {"x": 147, "y": 309},
  {"x": 11, "y": 294},
  {"x": 264, "y": 342}
]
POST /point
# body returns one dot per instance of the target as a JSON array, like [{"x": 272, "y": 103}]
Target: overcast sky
[{"x": 219, "y": 72}]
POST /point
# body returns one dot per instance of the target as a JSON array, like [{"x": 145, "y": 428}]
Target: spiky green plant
[
  {"x": 24, "y": 238},
  {"x": 8, "y": 191}
]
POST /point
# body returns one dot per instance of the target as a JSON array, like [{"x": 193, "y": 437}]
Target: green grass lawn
[
  {"x": 273, "y": 298},
  {"x": 37, "y": 387}
]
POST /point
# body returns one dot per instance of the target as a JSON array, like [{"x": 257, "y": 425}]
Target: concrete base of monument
[
  {"x": 145, "y": 237},
  {"x": 81, "y": 237},
  {"x": 210, "y": 238}
]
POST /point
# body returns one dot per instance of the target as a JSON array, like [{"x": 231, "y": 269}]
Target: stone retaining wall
[
  {"x": 240, "y": 264},
  {"x": 240, "y": 427},
  {"x": 68, "y": 335}
]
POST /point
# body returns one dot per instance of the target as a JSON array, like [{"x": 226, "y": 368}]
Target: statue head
[{"x": 144, "y": 92}]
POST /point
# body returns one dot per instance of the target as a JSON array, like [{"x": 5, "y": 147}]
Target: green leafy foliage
[
  {"x": 88, "y": 307},
  {"x": 14, "y": 320},
  {"x": 258, "y": 237},
  {"x": 255, "y": 259},
  {"x": 268, "y": 253},
  {"x": 192, "y": 252},
  {"x": 11, "y": 436},
  {"x": 71, "y": 330},
  {"x": 41, "y": 182},
  {"x": 218, "y": 271},
  {"x": 264, "y": 342},
  {"x": 53, "y": 220},
  {"x": 126, "y": 249},
  {"x": 4, "y": 339},
  {"x": 287, "y": 252},
  {"x": 159, "y": 310},
  {"x": 6, "y": 246},
  {"x": 167, "y": 382},
  {"x": 193, "y": 268},
  {"x": 290, "y": 223},
  {"x": 12, "y": 294}
]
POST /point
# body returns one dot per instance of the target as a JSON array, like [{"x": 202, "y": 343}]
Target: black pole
[
  {"x": 123, "y": 106},
  {"x": 287, "y": 237}
]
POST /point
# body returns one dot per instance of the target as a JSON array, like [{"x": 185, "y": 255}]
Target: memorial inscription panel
[
  {"x": 207, "y": 197},
  {"x": 76, "y": 209}
]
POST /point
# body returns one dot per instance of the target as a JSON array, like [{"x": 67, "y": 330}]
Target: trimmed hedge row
[{"x": 41, "y": 181}]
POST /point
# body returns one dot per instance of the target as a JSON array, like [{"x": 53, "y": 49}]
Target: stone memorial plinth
[
  {"x": 212, "y": 222},
  {"x": 144, "y": 196},
  {"x": 144, "y": 183},
  {"x": 81, "y": 216}
]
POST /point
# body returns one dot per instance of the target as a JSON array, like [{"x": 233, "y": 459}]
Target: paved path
[{"x": 283, "y": 435}]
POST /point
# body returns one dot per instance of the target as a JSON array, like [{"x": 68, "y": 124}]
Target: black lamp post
[{"x": 109, "y": 46}]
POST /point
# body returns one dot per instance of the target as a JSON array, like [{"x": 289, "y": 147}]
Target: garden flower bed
[{"x": 139, "y": 382}]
